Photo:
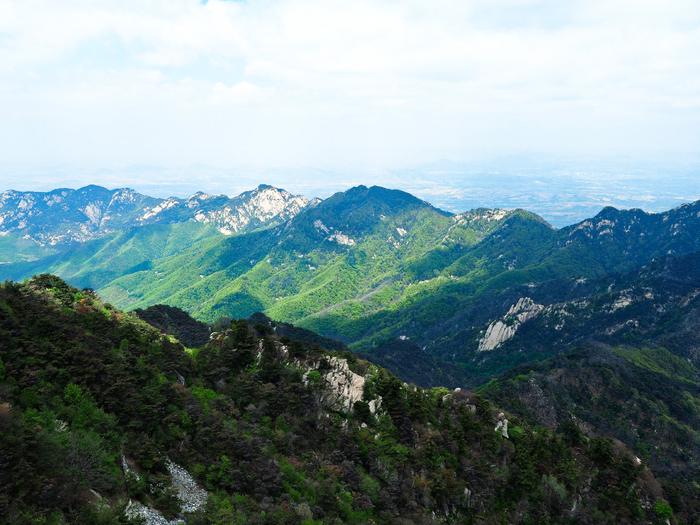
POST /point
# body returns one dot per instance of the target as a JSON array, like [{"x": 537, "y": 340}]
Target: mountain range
[
  {"x": 384, "y": 272},
  {"x": 585, "y": 332},
  {"x": 64, "y": 216}
]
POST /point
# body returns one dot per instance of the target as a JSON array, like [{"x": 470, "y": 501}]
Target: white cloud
[
  {"x": 330, "y": 82},
  {"x": 241, "y": 92}
]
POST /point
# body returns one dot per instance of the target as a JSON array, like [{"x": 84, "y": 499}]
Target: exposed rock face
[
  {"x": 341, "y": 238},
  {"x": 341, "y": 387},
  {"x": 333, "y": 235},
  {"x": 192, "y": 497},
  {"x": 254, "y": 208},
  {"x": 501, "y": 330},
  {"x": 128, "y": 471},
  {"x": 158, "y": 209},
  {"x": 344, "y": 386},
  {"x": 318, "y": 224},
  {"x": 496, "y": 334},
  {"x": 375, "y": 405},
  {"x": 138, "y": 511},
  {"x": 621, "y": 302},
  {"x": 502, "y": 425},
  {"x": 482, "y": 214},
  {"x": 534, "y": 396}
]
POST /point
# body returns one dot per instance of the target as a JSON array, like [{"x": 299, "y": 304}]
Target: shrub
[
  {"x": 662, "y": 509},
  {"x": 313, "y": 377}
]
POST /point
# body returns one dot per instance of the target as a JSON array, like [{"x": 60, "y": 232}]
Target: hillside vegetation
[
  {"x": 375, "y": 268},
  {"x": 102, "y": 414}
]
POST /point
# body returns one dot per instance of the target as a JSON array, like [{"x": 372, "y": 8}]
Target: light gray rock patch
[
  {"x": 501, "y": 330},
  {"x": 192, "y": 497}
]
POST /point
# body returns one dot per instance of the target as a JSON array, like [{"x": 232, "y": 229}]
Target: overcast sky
[{"x": 89, "y": 87}]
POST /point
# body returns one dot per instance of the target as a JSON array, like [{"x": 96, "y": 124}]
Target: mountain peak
[
  {"x": 391, "y": 199},
  {"x": 349, "y": 215},
  {"x": 199, "y": 195},
  {"x": 528, "y": 216},
  {"x": 93, "y": 188},
  {"x": 609, "y": 212}
]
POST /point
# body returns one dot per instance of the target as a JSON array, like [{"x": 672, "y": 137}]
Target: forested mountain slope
[
  {"x": 654, "y": 305},
  {"x": 384, "y": 272},
  {"x": 102, "y": 415},
  {"x": 647, "y": 397},
  {"x": 436, "y": 297}
]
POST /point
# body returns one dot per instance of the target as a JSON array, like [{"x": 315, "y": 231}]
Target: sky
[{"x": 177, "y": 94}]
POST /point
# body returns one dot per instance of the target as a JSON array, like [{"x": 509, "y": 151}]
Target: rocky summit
[{"x": 65, "y": 216}]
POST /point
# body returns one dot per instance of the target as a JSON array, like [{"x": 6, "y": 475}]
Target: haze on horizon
[{"x": 452, "y": 100}]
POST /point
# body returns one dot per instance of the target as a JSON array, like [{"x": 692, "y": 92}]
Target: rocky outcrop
[
  {"x": 343, "y": 386},
  {"x": 263, "y": 205},
  {"x": 148, "y": 516},
  {"x": 333, "y": 236},
  {"x": 126, "y": 468},
  {"x": 191, "y": 496},
  {"x": 341, "y": 238},
  {"x": 501, "y": 330},
  {"x": 502, "y": 425},
  {"x": 497, "y": 333},
  {"x": 482, "y": 214}
]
